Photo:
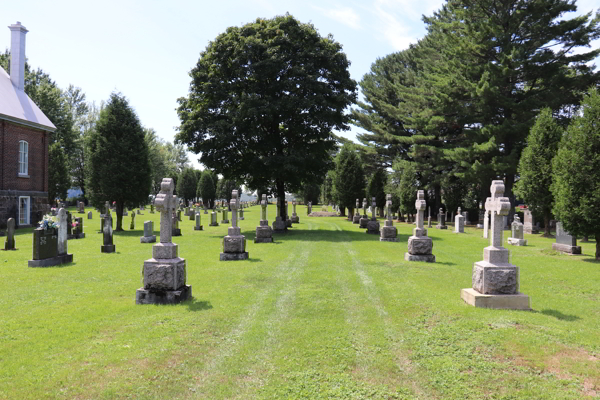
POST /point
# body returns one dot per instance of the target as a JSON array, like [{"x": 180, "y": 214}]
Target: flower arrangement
[{"x": 48, "y": 222}]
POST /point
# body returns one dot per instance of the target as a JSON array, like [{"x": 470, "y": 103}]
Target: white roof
[{"x": 16, "y": 106}]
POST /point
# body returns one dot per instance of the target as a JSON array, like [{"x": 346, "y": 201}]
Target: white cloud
[{"x": 344, "y": 15}]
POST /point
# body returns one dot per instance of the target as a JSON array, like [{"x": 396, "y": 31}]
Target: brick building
[{"x": 24, "y": 136}]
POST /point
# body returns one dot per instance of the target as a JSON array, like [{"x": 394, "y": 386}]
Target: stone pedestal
[
  {"x": 148, "y": 233},
  {"x": 356, "y": 219},
  {"x": 373, "y": 227},
  {"x": 420, "y": 247},
  {"x": 213, "y": 219},
  {"x": 198, "y": 226},
  {"x": 264, "y": 233},
  {"x": 279, "y": 225},
  {"x": 234, "y": 246},
  {"x": 459, "y": 224},
  {"x": 565, "y": 242},
  {"x": 389, "y": 233},
  {"x": 225, "y": 220},
  {"x": 363, "y": 222}
]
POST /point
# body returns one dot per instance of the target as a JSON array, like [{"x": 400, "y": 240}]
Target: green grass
[{"x": 326, "y": 312}]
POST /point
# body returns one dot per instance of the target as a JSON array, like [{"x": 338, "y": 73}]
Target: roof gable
[{"x": 17, "y": 107}]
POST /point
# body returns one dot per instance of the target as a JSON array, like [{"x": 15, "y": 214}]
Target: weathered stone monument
[
  {"x": 132, "y": 224},
  {"x": 175, "y": 224},
  {"x": 288, "y": 220},
  {"x": 50, "y": 245},
  {"x": 76, "y": 231},
  {"x": 225, "y": 219},
  {"x": 241, "y": 217},
  {"x": 234, "y": 244},
  {"x": 389, "y": 232},
  {"x": 264, "y": 233},
  {"x": 364, "y": 220},
  {"x": 9, "y": 243},
  {"x": 356, "y": 218},
  {"x": 125, "y": 213},
  {"x": 441, "y": 220},
  {"x": 279, "y": 224},
  {"x": 373, "y": 224},
  {"x": 295, "y": 217},
  {"x": 529, "y": 226},
  {"x": 192, "y": 214},
  {"x": 309, "y": 208},
  {"x": 151, "y": 208},
  {"x": 420, "y": 245},
  {"x": 459, "y": 223},
  {"x": 164, "y": 274},
  {"x": 149, "y": 236},
  {"x": 486, "y": 224},
  {"x": 108, "y": 246},
  {"x": 565, "y": 242},
  {"x": 198, "y": 226},
  {"x": 495, "y": 280},
  {"x": 516, "y": 238},
  {"x": 213, "y": 217},
  {"x": 81, "y": 207},
  {"x": 429, "y": 217}
]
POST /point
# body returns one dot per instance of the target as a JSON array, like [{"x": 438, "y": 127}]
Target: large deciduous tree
[
  {"x": 535, "y": 167},
  {"x": 117, "y": 160},
  {"x": 186, "y": 184},
  {"x": 263, "y": 102},
  {"x": 576, "y": 169}
]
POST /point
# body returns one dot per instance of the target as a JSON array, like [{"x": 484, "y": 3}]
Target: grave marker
[{"x": 420, "y": 246}]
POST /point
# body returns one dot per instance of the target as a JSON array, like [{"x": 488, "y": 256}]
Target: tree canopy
[
  {"x": 348, "y": 179},
  {"x": 263, "y": 101},
  {"x": 186, "y": 184},
  {"x": 118, "y": 168}
]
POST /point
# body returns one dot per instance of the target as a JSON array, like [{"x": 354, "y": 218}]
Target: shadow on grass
[
  {"x": 444, "y": 263},
  {"x": 558, "y": 315},
  {"x": 196, "y": 305}
]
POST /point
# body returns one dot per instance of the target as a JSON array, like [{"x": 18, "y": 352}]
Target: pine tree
[
  {"x": 58, "y": 176},
  {"x": 376, "y": 188},
  {"x": 535, "y": 167},
  {"x": 207, "y": 189},
  {"x": 349, "y": 178},
  {"x": 117, "y": 168},
  {"x": 576, "y": 173},
  {"x": 186, "y": 184}
]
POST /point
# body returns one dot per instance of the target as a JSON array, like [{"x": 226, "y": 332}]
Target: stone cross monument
[
  {"x": 419, "y": 244},
  {"x": 234, "y": 244},
  {"x": 441, "y": 220},
  {"x": 373, "y": 224},
  {"x": 279, "y": 225},
  {"x": 164, "y": 274},
  {"x": 516, "y": 238},
  {"x": 356, "y": 217},
  {"x": 389, "y": 232},
  {"x": 364, "y": 219},
  {"x": 495, "y": 280},
  {"x": 264, "y": 233},
  {"x": 295, "y": 217}
]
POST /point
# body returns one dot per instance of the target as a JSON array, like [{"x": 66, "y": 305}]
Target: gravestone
[
  {"x": 108, "y": 246},
  {"x": 241, "y": 218},
  {"x": 9, "y": 243},
  {"x": 459, "y": 223},
  {"x": 529, "y": 226},
  {"x": 69, "y": 224},
  {"x": 151, "y": 208},
  {"x": 482, "y": 215},
  {"x": 164, "y": 275},
  {"x": 175, "y": 224},
  {"x": 364, "y": 220},
  {"x": 441, "y": 220},
  {"x": 389, "y": 232},
  {"x": 486, "y": 224},
  {"x": 149, "y": 236},
  {"x": 132, "y": 224},
  {"x": 420, "y": 246},
  {"x": 50, "y": 245},
  {"x": 178, "y": 217},
  {"x": 295, "y": 217},
  {"x": 356, "y": 218},
  {"x": 264, "y": 233},
  {"x": 81, "y": 207},
  {"x": 234, "y": 244},
  {"x": 225, "y": 216},
  {"x": 516, "y": 238},
  {"x": 288, "y": 220},
  {"x": 495, "y": 280},
  {"x": 465, "y": 214},
  {"x": 125, "y": 213},
  {"x": 198, "y": 226},
  {"x": 213, "y": 217},
  {"x": 279, "y": 225},
  {"x": 373, "y": 224},
  {"x": 90, "y": 215},
  {"x": 309, "y": 208},
  {"x": 76, "y": 230},
  {"x": 192, "y": 215},
  {"x": 429, "y": 217},
  {"x": 564, "y": 241}
]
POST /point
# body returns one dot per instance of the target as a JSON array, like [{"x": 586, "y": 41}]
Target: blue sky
[{"x": 145, "y": 49}]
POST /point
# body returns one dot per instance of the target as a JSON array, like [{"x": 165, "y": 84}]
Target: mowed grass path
[{"x": 326, "y": 312}]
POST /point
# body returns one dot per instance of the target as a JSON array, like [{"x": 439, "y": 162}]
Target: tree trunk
[
  {"x": 281, "y": 198},
  {"x": 585, "y": 239},
  {"x": 547, "y": 225},
  {"x": 119, "y": 207},
  {"x": 438, "y": 196},
  {"x": 350, "y": 213},
  {"x": 342, "y": 211}
]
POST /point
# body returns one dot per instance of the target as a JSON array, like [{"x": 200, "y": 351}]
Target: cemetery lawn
[{"x": 326, "y": 312}]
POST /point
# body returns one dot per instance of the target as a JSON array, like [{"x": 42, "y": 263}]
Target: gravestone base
[
  {"x": 288, "y": 223},
  {"x": 497, "y": 278},
  {"x": 419, "y": 257},
  {"x": 295, "y": 219},
  {"x": 356, "y": 219},
  {"x": 264, "y": 233},
  {"x": 566, "y": 248},
  {"x": 107, "y": 248},
  {"x": 530, "y": 229},
  {"x": 214, "y": 224},
  {"x": 363, "y": 222},
  {"x": 148, "y": 239},
  {"x": 199, "y": 228},
  {"x": 389, "y": 233},
  {"x": 518, "y": 301},
  {"x": 279, "y": 225},
  {"x": 479, "y": 226},
  {"x": 373, "y": 227},
  {"x": 225, "y": 221},
  {"x": 143, "y": 296},
  {"x": 48, "y": 262},
  {"x": 517, "y": 242},
  {"x": 233, "y": 256},
  {"x": 429, "y": 222},
  {"x": 176, "y": 232},
  {"x": 77, "y": 236},
  {"x": 234, "y": 246}
]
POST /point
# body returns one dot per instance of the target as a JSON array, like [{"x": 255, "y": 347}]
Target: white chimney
[{"x": 17, "y": 55}]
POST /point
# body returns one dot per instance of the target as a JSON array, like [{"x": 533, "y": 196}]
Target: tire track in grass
[
  {"x": 286, "y": 278},
  {"x": 392, "y": 336}
]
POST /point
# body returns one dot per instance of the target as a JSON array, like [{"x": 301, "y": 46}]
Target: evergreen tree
[
  {"x": 207, "y": 189},
  {"x": 273, "y": 90},
  {"x": 576, "y": 173},
  {"x": 376, "y": 188},
  {"x": 310, "y": 192},
  {"x": 349, "y": 178},
  {"x": 118, "y": 168},
  {"x": 408, "y": 186},
  {"x": 58, "y": 176},
  {"x": 327, "y": 194},
  {"x": 186, "y": 184},
  {"x": 225, "y": 187},
  {"x": 535, "y": 167}
]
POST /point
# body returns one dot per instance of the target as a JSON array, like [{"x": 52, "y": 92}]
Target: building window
[
  {"x": 24, "y": 210},
  {"x": 23, "y": 157}
]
